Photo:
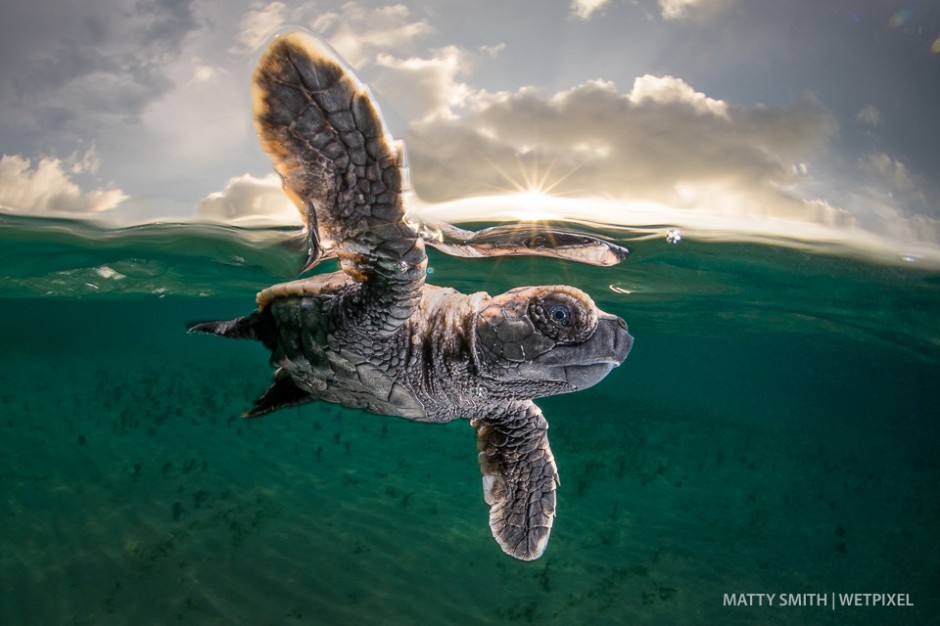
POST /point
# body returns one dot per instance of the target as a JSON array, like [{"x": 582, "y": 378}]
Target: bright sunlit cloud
[
  {"x": 46, "y": 188},
  {"x": 359, "y": 34},
  {"x": 249, "y": 198},
  {"x": 258, "y": 24}
]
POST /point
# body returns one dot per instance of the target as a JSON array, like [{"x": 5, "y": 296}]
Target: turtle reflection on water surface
[{"x": 376, "y": 336}]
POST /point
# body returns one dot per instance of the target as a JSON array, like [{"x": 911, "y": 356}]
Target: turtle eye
[
  {"x": 560, "y": 314},
  {"x": 561, "y": 317}
]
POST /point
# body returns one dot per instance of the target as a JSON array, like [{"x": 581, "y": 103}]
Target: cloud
[
  {"x": 356, "y": 32},
  {"x": 668, "y": 90},
  {"x": 46, "y": 189},
  {"x": 679, "y": 9},
  {"x": 889, "y": 169},
  {"x": 205, "y": 73},
  {"x": 425, "y": 89},
  {"x": 895, "y": 184},
  {"x": 661, "y": 142},
  {"x": 660, "y": 147},
  {"x": 88, "y": 66},
  {"x": 584, "y": 9},
  {"x": 162, "y": 90},
  {"x": 192, "y": 127},
  {"x": 249, "y": 197},
  {"x": 87, "y": 162},
  {"x": 381, "y": 45},
  {"x": 870, "y": 115},
  {"x": 258, "y": 25},
  {"x": 361, "y": 34}
]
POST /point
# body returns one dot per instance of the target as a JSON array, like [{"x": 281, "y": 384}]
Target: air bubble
[{"x": 674, "y": 236}]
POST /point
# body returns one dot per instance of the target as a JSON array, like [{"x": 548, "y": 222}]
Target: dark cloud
[{"x": 82, "y": 65}]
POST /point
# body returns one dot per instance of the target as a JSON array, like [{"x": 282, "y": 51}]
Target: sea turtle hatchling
[{"x": 375, "y": 336}]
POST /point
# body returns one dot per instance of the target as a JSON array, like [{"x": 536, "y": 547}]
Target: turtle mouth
[
  {"x": 584, "y": 376},
  {"x": 623, "y": 341},
  {"x": 587, "y": 364}
]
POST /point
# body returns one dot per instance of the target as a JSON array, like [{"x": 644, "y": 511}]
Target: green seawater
[{"x": 775, "y": 430}]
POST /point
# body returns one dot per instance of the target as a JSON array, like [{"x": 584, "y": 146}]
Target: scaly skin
[
  {"x": 344, "y": 173},
  {"x": 376, "y": 337}
]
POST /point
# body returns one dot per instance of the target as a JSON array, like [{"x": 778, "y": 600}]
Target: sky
[{"x": 801, "y": 119}]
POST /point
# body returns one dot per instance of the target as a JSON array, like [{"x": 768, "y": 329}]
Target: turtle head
[{"x": 542, "y": 341}]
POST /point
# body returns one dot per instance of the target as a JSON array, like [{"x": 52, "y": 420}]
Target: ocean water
[{"x": 774, "y": 431}]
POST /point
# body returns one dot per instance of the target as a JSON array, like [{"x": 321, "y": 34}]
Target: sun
[
  {"x": 532, "y": 189},
  {"x": 533, "y": 206}
]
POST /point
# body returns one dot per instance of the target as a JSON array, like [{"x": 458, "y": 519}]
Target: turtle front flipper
[
  {"x": 519, "y": 478},
  {"x": 326, "y": 138},
  {"x": 524, "y": 240}
]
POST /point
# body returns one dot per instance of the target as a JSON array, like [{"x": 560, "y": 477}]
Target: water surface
[{"x": 773, "y": 431}]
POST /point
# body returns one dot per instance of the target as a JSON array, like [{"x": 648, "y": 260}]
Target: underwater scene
[{"x": 766, "y": 454}]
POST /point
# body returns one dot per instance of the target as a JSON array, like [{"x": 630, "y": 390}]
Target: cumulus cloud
[
  {"x": 425, "y": 88},
  {"x": 46, "y": 188},
  {"x": 669, "y": 90},
  {"x": 381, "y": 45},
  {"x": 249, "y": 197},
  {"x": 361, "y": 34},
  {"x": 584, "y": 9},
  {"x": 661, "y": 142},
  {"x": 258, "y": 24}
]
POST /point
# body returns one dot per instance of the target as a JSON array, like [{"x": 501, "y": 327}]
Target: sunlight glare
[{"x": 532, "y": 206}]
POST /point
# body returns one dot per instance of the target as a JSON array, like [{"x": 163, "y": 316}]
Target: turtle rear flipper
[
  {"x": 519, "y": 479},
  {"x": 258, "y": 326},
  {"x": 283, "y": 393}
]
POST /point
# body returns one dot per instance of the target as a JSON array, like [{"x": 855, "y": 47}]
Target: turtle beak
[
  {"x": 609, "y": 346},
  {"x": 623, "y": 341},
  {"x": 586, "y": 364}
]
